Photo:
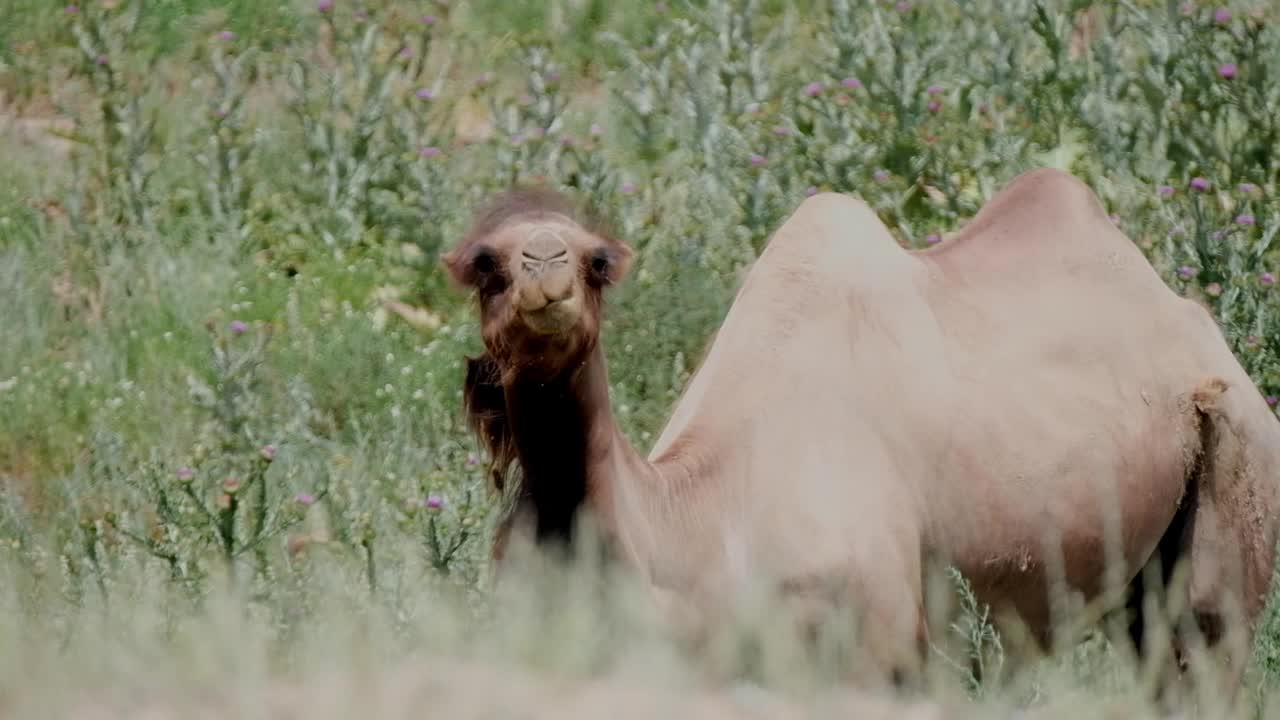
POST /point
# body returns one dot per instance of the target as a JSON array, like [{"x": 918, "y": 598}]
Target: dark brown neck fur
[{"x": 555, "y": 430}]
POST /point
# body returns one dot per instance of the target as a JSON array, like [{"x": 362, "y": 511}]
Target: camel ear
[
  {"x": 612, "y": 262},
  {"x": 460, "y": 264},
  {"x": 625, "y": 257},
  {"x": 451, "y": 263}
]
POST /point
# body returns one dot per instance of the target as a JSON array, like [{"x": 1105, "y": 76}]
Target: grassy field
[{"x": 233, "y": 474}]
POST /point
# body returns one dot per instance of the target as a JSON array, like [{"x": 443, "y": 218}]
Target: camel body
[
  {"x": 1019, "y": 401},
  {"x": 1027, "y": 401}
]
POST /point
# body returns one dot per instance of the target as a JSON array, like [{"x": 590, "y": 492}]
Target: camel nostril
[
  {"x": 544, "y": 247},
  {"x": 528, "y": 255}
]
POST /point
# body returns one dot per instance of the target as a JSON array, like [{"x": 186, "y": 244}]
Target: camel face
[{"x": 539, "y": 273}]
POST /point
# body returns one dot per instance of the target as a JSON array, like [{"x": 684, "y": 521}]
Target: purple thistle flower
[
  {"x": 472, "y": 459},
  {"x": 933, "y": 238},
  {"x": 880, "y": 175},
  {"x": 1218, "y": 234},
  {"x": 1247, "y": 187},
  {"x": 435, "y": 502},
  {"x": 1222, "y": 16},
  {"x": 757, "y": 160},
  {"x": 1214, "y": 289},
  {"x": 813, "y": 89},
  {"x": 186, "y": 473},
  {"x": 238, "y": 326},
  {"x": 660, "y": 7},
  {"x": 1267, "y": 279},
  {"x": 226, "y": 36},
  {"x": 1165, "y": 190},
  {"x": 324, "y": 5},
  {"x": 934, "y": 90},
  {"x": 552, "y": 76},
  {"x": 1252, "y": 341},
  {"x": 406, "y": 53},
  {"x": 425, "y": 93},
  {"x": 484, "y": 79},
  {"x": 304, "y": 499},
  {"x": 782, "y": 130},
  {"x": 1115, "y": 219},
  {"x": 1199, "y": 183},
  {"x": 595, "y": 130},
  {"x": 102, "y": 60},
  {"x": 1186, "y": 272},
  {"x": 430, "y": 19},
  {"x": 627, "y": 188},
  {"x": 1228, "y": 70},
  {"x": 1272, "y": 400},
  {"x": 73, "y": 9},
  {"x": 903, "y": 6},
  {"x": 429, "y": 152},
  {"x": 361, "y": 15},
  {"x": 1245, "y": 219},
  {"x": 852, "y": 83},
  {"x": 934, "y": 106},
  {"x": 810, "y": 191},
  {"x": 268, "y": 452}
]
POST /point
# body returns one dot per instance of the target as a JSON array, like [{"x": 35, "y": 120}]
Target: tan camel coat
[
  {"x": 1002, "y": 401},
  {"x": 1027, "y": 401}
]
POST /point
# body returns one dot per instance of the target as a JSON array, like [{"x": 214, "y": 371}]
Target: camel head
[{"x": 538, "y": 265}]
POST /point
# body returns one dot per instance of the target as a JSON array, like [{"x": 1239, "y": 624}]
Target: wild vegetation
[{"x": 232, "y": 451}]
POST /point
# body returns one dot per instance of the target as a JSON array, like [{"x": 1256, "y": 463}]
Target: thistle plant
[
  {"x": 444, "y": 526},
  {"x": 223, "y": 496},
  {"x": 352, "y": 97},
  {"x": 1223, "y": 253},
  {"x": 117, "y": 132},
  {"x": 530, "y": 126},
  {"x": 640, "y": 88},
  {"x": 973, "y": 627},
  {"x": 230, "y": 144}
]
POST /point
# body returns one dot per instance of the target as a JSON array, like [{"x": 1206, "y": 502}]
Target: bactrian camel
[{"x": 1004, "y": 401}]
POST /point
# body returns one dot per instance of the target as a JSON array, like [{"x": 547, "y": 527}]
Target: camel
[{"x": 1008, "y": 401}]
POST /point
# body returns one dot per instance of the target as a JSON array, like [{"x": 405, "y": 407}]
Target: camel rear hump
[{"x": 1045, "y": 197}]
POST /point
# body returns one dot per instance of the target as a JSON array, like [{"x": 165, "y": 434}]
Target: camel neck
[
  {"x": 564, "y": 434},
  {"x": 574, "y": 457}
]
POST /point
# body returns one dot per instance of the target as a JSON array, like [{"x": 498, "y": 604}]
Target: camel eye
[
  {"x": 486, "y": 273},
  {"x": 484, "y": 263},
  {"x": 600, "y": 264}
]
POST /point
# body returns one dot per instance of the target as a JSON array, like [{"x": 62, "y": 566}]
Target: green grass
[{"x": 297, "y": 199}]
